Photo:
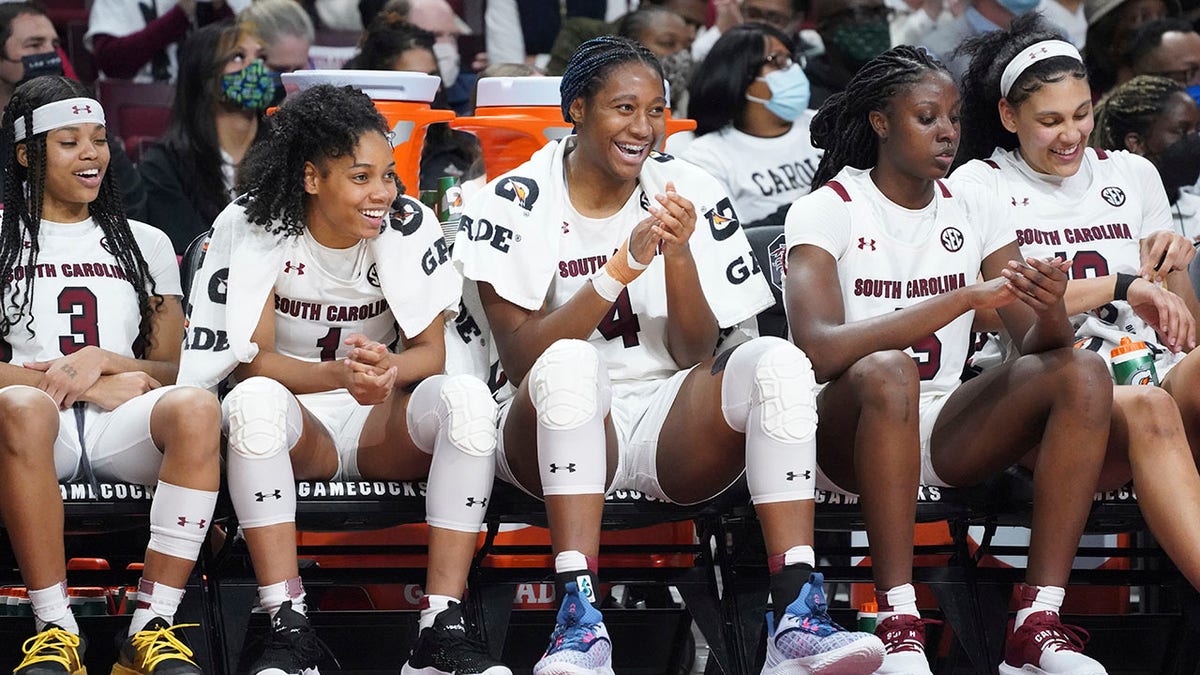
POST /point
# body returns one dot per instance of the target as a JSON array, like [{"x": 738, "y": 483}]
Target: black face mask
[{"x": 36, "y": 65}]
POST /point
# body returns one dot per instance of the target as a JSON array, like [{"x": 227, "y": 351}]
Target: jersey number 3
[{"x": 80, "y": 304}]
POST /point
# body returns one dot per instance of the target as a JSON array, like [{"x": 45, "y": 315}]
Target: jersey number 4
[{"x": 621, "y": 322}]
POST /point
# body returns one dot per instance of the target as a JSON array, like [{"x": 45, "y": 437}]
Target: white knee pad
[
  {"x": 261, "y": 418},
  {"x": 567, "y": 385},
  {"x": 769, "y": 394},
  {"x": 776, "y": 375},
  {"x": 459, "y": 404},
  {"x": 569, "y": 388}
]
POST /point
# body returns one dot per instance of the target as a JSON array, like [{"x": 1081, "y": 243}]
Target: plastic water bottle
[{"x": 1133, "y": 363}]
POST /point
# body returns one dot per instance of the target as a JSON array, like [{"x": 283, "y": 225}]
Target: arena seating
[{"x": 137, "y": 112}]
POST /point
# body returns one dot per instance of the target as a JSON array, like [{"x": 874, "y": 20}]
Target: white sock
[
  {"x": 1047, "y": 599},
  {"x": 50, "y": 605},
  {"x": 273, "y": 596},
  {"x": 154, "y": 600},
  {"x": 900, "y": 600},
  {"x": 436, "y": 605}
]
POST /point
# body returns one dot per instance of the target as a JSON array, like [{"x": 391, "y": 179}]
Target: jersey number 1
[{"x": 330, "y": 343}]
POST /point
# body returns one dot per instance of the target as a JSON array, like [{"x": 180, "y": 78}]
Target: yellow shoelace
[
  {"x": 54, "y": 644},
  {"x": 158, "y": 645}
]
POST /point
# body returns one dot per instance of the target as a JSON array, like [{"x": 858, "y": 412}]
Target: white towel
[{"x": 242, "y": 260}]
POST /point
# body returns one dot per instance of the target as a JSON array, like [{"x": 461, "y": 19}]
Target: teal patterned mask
[{"x": 253, "y": 87}]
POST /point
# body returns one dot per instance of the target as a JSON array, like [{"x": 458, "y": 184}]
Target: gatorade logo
[
  {"x": 406, "y": 216},
  {"x": 584, "y": 582},
  {"x": 522, "y": 191},
  {"x": 722, "y": 220}
]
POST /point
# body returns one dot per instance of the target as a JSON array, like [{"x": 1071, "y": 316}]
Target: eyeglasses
[
  {"x": 1184, "y": 76},
  {"x": 777, "y": 60}
]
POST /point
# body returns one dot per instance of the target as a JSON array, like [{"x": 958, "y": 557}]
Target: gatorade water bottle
[
  {"x": 868, "y": 613},
  {"x": 449, "y": 206},
  {"x": 1133, "y": 363}
]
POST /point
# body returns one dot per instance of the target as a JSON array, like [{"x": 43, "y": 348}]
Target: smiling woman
[{"x": 84, "y": 364}]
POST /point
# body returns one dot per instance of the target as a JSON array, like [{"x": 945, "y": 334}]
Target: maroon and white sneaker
[
  {"x": 903, "y": 638},
  {"x": 1044, "y": 645}
]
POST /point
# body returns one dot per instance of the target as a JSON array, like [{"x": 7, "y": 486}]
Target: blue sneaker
[
  {"x": 808, "y": 642},
  {"x": 579, "y": 643}
]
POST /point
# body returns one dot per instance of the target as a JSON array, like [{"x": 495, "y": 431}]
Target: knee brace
[
  {"x": 769, "y": 394},
  {"x": 263, "y": 421},
  {"x": 570, "y": 391},
  {"x": 453, "y": 417}
]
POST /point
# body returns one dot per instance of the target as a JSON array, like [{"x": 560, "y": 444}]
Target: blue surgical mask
[
  {"x": 789, "y": 92},
  {"x": 1019, "y": 7},
  {"x": 1194, "y": 92}
]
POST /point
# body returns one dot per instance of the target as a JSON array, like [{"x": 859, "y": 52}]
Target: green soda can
[
  {"x": 449, "y": 206},
  {"x": 1133, "y": 363}
]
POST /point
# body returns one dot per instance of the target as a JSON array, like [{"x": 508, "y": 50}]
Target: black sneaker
[
  {"x": 445, "y": 648},
  {"x": 53, "y": 651},
  {"x": 156, "y": 650},
  {"x": 293, "y": 647}
]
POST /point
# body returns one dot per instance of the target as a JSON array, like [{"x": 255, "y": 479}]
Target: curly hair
[
  {"x": 1131, "y": 108},
  {"x": 24, "y": 187},
  {"x": 591, "y": 63},
  {"x": 982, "y": 130},
  {"x": 842, "y": 127},
  {"x": 320, "y": 123}
]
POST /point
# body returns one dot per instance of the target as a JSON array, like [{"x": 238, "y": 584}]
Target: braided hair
[
  {"x": 842, "y": 128},
  {"x": 23, "y": 201},
  {"x": 318, "y": 124},
  {"x": 982, "y": 130},
  {"x": 1131, "y": 108},
  {"x": 593, "y": 61}
]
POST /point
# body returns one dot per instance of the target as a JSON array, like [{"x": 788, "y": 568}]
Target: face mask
[
  {"x": 789, "y": 92},
  {"x": 1194, "y": 92},
  {"x": 863, "y": 41},
  {"x": 1019, "y": 7},
  {"x": 36, "y": 65},
  {"x": 252, "y": 88},
  {"x": 677, "y": 70},
  {"x": 448, "y": 61}
]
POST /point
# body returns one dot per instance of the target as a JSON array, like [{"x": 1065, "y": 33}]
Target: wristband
[
  {"x": 622, "y": 266},
  {"x": 1121, "y": 290},
  {"x": 606, "y": 286}
]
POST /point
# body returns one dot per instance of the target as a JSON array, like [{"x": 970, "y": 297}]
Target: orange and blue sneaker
[
  {"x": 579, "y": 644},
  {"x": 156, "y": 650},
  {"x": 808, "y": 642},
  {"x": 53, "y": 651}
]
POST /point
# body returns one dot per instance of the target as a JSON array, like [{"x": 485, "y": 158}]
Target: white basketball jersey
[
  {"x": 82, "y": 295},
  {"x": 316, "y": 309},
  {"x": 890, "y": 258},
  {"x": 1095, "y": 218}
]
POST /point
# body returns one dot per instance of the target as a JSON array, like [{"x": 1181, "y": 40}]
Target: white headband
[
  {"x": 1039, "y": 51},
  {"x": 60, "y": 114}
]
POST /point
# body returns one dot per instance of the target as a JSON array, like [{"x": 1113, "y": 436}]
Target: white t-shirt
[
  {"x": 82, "y": 296},
  {"x": 1095, "y": 218},
  {"x": 1073, "y": 24},
  {"x": 890, "y": 257},
  {"x": 760, "y": 174}
]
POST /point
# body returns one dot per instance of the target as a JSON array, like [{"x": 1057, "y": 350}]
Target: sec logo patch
[
  {"x": 952, "y": 239},
  {"x": 1113, "y": 195}
]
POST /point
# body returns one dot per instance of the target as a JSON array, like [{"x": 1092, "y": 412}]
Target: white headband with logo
[
  {"x": 1035, "y": 53},
  {"x": 60, "y": 114}
]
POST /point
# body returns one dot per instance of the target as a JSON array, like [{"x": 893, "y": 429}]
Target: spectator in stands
[
  {"x": 391, "y": 44},
  {"x": 322, "y": 397},
  {"x": 912, "y": 20},
  {"x": 1111, "y": 24},
  {"x": 1167, "y": 47},
  {"x": 981, "y": 16},
  {"x": 285, "y": 30},
  {"x": 665, "y": 34},
  {"x": 223, "y": 90},
  {"x": 138, "y": 40},
  {"x": 1147, "y": 116},
  {"x": 750, "y": 103},
  {"x": 891, "y": 341},
  {"x": 1027, "y": 118},
  {"x": 29, "y": 47},
  {"x": 81, "y": 391},
  {"x": 854, "y": 32},
  {"x": 675, "y": 423}
]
